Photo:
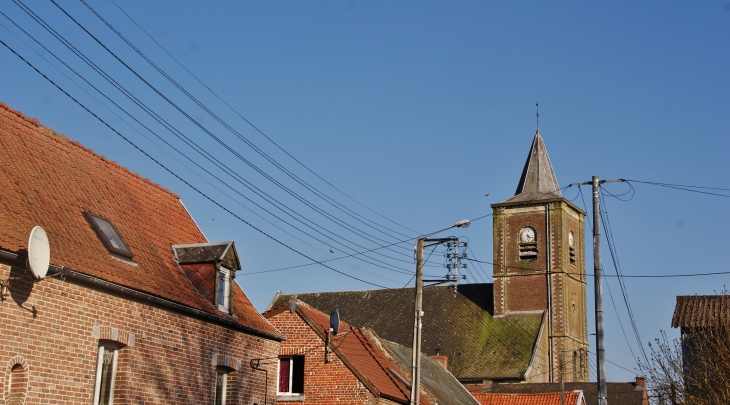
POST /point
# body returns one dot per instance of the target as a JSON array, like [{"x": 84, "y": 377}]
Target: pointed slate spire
[{"x": 538, "y": 180}]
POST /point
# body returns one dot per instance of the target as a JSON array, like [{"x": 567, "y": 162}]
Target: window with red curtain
[{"x": 291, "y": 375}]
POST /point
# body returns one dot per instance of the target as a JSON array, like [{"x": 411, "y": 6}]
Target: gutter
[{"x": 65, "y": 272}]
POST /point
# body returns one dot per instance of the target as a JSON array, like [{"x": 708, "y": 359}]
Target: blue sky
[{"x": 416, "y": 110}]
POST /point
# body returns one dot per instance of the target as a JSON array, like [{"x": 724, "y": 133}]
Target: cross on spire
[{"x": 537, "y": 115}]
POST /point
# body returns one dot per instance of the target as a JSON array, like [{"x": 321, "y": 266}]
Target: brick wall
[
  {"x": 324, "y": 383},
  {"x": 53, "y": 327},
  {"x": 514, "y": 291}
]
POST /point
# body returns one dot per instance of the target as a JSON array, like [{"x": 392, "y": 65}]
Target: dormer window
[
  {"x": 109, "y": 236},
  {"x": 223, "y": 294},
  {"x": 211, "y": 269}
]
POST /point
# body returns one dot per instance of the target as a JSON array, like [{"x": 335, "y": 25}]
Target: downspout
[
  {"x": 550, "y": 293},
  {"x": 255, "y": 365}
]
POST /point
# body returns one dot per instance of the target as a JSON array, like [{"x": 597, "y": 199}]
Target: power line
[
  {"x": 251, "y": 124},
  {"x": 206, "y": 155},
  {"x": 617, "y": 267},
  {"x": 353, "y": 254},
  {"x": 692, "y": 189},
  {"x": 215, "y": 116},
  {"x": 534, "y": 272},
  {"x": 177, "y": 176},
  {"x": 617, "y": 365},
  {"x": 608, "y": 286},
  {"x": 228, "y": 147},
  {"x": 163, "y": 140}
]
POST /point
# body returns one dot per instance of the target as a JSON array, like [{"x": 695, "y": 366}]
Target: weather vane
[{"x": 537, "y": 116}]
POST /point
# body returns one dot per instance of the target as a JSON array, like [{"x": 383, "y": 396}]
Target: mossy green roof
[{"x": 462, "y": 327}]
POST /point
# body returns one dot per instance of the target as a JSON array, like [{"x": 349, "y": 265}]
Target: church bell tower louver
[{"x": 539, "y": 265}]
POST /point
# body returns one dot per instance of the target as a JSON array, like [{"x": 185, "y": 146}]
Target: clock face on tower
[
  {"x": 527, "y": 235},
  {"x": 570, "y": 239}
]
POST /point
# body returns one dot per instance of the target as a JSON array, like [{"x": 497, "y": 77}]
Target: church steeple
[
  {"x": 539, "y": 265},
  {"x": 538, "y": 180}
]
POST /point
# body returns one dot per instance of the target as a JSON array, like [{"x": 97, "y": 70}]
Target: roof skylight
[{"x": 108, "y": 234}]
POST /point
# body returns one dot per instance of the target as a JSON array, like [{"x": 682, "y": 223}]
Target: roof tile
[
  {"x": 551, "y": 398},
  {"x": 479, "y": 346},
  {"x": 360, "y": 350},
  {"x": 701, "y": 310},
  {"x": 48, "y": 180}
]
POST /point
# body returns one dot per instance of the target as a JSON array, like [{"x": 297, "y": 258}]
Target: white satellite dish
[{"x": 39, "y": 252}]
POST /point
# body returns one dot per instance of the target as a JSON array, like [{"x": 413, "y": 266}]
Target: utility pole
[
  {"x": 418, "y": 324},
  {"x": 416, "y": 355},
  {"x": 562, "y": 377},
  {"x": 598, "y": 274}
]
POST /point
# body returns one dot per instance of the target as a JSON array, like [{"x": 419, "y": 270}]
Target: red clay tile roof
[
  {"x": 551, "y": 398},
  {"x": 48, "y": 180},
  {"x": 701, "y": 310},
  {"x": 619, "y": 393},
  {"x": 361, "y": 351}
]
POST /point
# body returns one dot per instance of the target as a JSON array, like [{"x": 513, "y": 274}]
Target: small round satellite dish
[
  {"x": 293, "y": 306},
  {"x": 39, "y": 252},
  {"x": 334, "y": 321}
]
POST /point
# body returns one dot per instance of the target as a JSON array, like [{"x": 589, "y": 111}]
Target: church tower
[{"x": 539, "y": 265}]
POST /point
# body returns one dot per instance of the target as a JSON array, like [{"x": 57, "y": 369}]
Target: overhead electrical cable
[
  {"x": 376, "y": 248},
  {"x": 252, "y": 125},
  {"x": 216, "y": 138},
  {"x": 692, "y": 189},
  {"x": 617, "y": 267},
  {"x": 608, "y": 285},
  {"x": 163, "y": 140},
  {"x": 198, "y": 149},
  {"x": 227, "y": 126},
  {"x": 180, "y": 178}
]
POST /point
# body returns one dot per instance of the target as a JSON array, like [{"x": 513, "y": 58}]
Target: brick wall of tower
[
  {"x": 526, "y": 287},
  {"x": 514, "y": 291},
  {"x": 55, "y": 326},
  {"x": 569, "y": 295}
]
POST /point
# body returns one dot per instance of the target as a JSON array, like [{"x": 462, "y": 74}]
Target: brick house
[
  {"x": 137, "y": 308},
  {"x": 354, "y": 366},
  {"x": 529, "y": 325}
]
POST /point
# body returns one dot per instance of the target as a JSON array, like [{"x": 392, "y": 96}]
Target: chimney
[
  {"x": 641, "y": 382},
  {"x": 442, "y": 359}
]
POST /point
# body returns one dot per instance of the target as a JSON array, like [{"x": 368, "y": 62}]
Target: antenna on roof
[{"x": 39, "y": 253}]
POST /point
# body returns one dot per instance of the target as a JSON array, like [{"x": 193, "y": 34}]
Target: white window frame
[
  {"x": 220, "y": 373},
  {"x": 226, "y": 298},
  {"x": 287, "y": 394},
  {"x": 99, "y": 361}
]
